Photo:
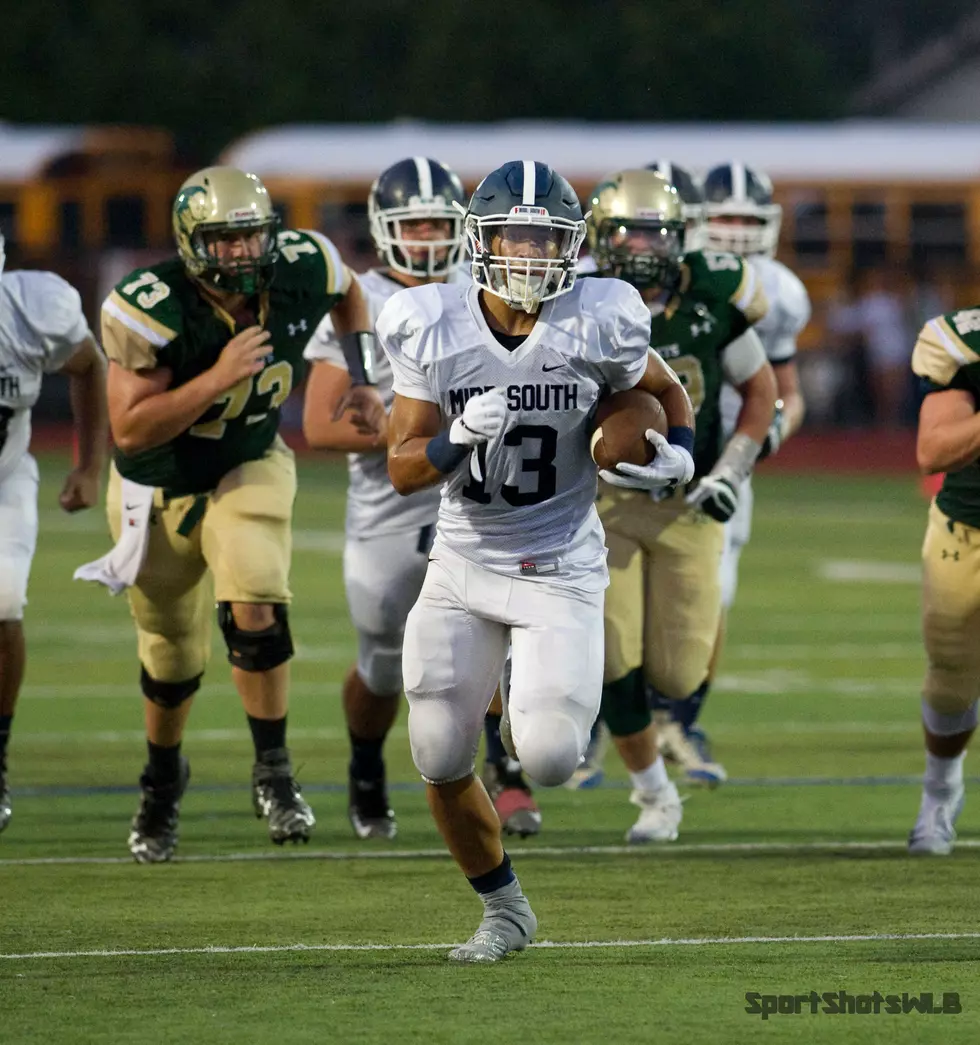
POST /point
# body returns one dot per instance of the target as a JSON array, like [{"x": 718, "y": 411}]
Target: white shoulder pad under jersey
[
  {"x": 789, "y": 308},
  {"x": 586, "y": 265},
  {"x": 524, "y": 505},
  {"x": 374, "y": 507},
  {"x": 41, "y": 324}
]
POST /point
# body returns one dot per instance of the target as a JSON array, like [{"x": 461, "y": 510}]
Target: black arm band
[
  {"x": 681, "y": 435},
  {"x": 445, "y": 456},
  {"x": 358, "y": 349}
]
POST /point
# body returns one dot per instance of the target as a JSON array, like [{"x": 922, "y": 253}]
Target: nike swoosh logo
[
  {"x": 547, "y": 369},
  {"x": 131, "y": 507}
]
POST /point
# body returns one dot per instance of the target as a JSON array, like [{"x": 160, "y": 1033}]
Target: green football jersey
[
  {"x": 719, "y": 296},
  {"x": 947, "y": 355},
  {"x": 158, "y": 317}
]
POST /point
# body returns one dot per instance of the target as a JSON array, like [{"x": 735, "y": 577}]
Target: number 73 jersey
[
  {"x": 523, "y": 504},
  {"x": 159, "y": 318}
]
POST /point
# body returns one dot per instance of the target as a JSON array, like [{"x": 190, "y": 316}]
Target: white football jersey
[
  {"x": 523, "y": 505},
  {"x": 41, "y": 324},
  {"x": 374, "y": 507},
  {"x": 789, "y": 313}
]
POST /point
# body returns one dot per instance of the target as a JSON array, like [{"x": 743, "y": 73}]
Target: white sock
[
  {"x": 943, "y": 774},
  {"x": 651, "y": 779}
]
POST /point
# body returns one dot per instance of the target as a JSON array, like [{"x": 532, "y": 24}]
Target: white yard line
[
  {"x": 697, "y": 941},
  {"x": 268, "y": 855}
]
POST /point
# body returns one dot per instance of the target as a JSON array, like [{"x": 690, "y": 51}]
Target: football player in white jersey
[
  {"x": 418, "y": 236},
  {"x": 42, "y": 331},
  {"x": 494, "y": 387},
  {"x": 741, "y": 217}
]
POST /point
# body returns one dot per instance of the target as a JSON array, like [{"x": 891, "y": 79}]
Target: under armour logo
[
  {"x": 955, "y": 556},
  {"x": 701, "y": 328},
  {"x": 296, "y": 328}
]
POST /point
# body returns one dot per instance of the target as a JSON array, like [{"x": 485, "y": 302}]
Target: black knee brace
[
  {"x": 256, "y": 650},
  {"x": 168, "y": 694},
  {"x": 624, "y": 705}
]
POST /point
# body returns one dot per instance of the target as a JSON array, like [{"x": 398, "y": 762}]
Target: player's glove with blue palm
[{"x": 672, "y": 466}]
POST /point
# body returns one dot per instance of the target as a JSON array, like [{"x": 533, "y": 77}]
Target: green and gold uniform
[
  {"x": 224, "y": 488},
  {"x": 947, "y": 356},
  {"x": 664, "y": 598}
]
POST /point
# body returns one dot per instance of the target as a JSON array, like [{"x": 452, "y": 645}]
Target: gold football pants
[
  {"x": 951, "y": 613},
  {"x": 664, "y": 597},
  {"x": 238, "y": 552}
]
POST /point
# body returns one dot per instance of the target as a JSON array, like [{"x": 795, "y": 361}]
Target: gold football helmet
[
  {"x": 636, "y": 228},
  {"x": 226, "y": 204}
]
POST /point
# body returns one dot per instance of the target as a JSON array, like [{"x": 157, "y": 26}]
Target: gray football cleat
[
  {"x": 505, "y": 928},
  {"x": 277, "y": 797}
]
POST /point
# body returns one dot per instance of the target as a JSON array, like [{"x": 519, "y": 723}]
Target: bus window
[
  {"x": 811, "y": 238},
  {"x": 8, "y": 222},
  {"x": 938, "y": 234},
  {"x": 868, "y": 235},
  {"x": 125, "y": 222},
  {"x": 70, "y": 224}
]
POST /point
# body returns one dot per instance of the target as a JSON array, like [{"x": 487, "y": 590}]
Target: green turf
[{"x": 815, "y": 717}]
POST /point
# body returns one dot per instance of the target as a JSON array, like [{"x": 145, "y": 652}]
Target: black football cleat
[
  {"x": 153, "y": 834},
  {"x": 6, "y": 810},
  {"x": 368, "y": 809},
  {"x": 277, "y": 797}
]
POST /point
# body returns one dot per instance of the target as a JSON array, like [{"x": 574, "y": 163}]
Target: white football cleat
[
  {"x": 934, "y": 832},
  {"x": 505, "y": 928},
  {"x": 687, "y": 751},
  {"x": 660, "y": 816}
]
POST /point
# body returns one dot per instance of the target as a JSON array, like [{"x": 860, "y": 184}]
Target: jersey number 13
[{"x": 542, "y": 464}]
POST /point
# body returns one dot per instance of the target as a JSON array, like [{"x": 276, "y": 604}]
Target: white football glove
[
  {"x": 671, "y": 467},
  {"x": 716, "y": 495},
  {"x": 483, "y": 417}
]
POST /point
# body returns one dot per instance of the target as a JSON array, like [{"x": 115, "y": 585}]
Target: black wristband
[{"x": 358, "y": 349}]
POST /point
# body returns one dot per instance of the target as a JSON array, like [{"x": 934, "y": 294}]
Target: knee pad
[
  {"x": 551, "y": 747},
  {"x": 443, "y": 748},
  {"x": 379, "y": 663},
  {"x": 624, "y": 705},
  {"x": 945, "y": 724},
  {"x": 13, "y": 594},
  {"x": 168, "y": 694},
  {"x": 256, "y": 650}
]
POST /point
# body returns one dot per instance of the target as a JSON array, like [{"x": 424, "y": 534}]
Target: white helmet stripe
[
  {"x": 530, "y": 177},
  {"x": 738, "y": 181},
  {"x": 424, "y": 172}
]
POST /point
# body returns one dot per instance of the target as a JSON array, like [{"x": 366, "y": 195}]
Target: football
[{"x": 619, "y": 426}]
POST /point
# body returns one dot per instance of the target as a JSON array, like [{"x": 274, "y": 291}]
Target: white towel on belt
[{"x": 119, "y": 569}]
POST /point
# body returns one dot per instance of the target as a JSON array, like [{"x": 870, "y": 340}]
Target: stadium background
[{"x": 870, "y": 128}]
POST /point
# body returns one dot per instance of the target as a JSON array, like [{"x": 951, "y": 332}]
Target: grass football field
[{"x": 792, "y": 878}]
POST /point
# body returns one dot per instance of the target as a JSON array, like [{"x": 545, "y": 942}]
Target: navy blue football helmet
[
  {"x": 527, "y": 204},
  {"x": 740, "y": 215},
  {"x": 416, "y": 189}
]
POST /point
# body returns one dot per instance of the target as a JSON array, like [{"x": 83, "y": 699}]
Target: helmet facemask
[
  {"x": 247, "y": 272},
  {"x": 395, "y": 245},
  {"x": 541, "y": 259},
  {"x": 643, "y": 254},
  {"x": 754, "y": 230}
]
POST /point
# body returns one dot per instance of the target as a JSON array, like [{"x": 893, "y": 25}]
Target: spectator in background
[{"x": 877, "y": 321}]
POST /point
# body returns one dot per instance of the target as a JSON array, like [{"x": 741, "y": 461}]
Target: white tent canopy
[{"x": 846, "y": 150}]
